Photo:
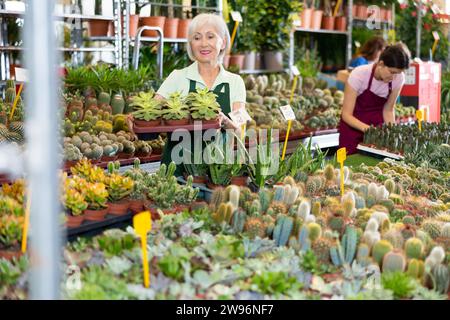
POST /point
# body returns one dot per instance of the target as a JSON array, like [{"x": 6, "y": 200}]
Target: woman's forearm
[
  {"x": 389, "y": 116},
  {"x": 354, "y": 122}
]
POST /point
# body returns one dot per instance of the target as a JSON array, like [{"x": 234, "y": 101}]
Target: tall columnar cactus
[
  {"x": 372, "y": 190},
  {"x": 390, "y": 185},
  {"x": 416, "y": 268},
  {"x": 283, "y": 230},
  {"x": 445, "y": 232},
  {"x": 414, "y": 248},
  {"x": 329, "y": 173},
  {"x": 224, "y": 213},
  {"x": 360, "y": 203},
  {"x": 344, "y": 252},
  {"x": 217, "y": 198},
  {"x": 363, "y": 255},
  {"x": 10, "y": 95},
  {"x": 234, "y": 196},
  {"x": 265, "y": 197},
  {"x": 441, "y": 276},
  {"x": 436, "y": 256},
  {"x": 304, "y": 209},
  {"x": 394, "y": 261},
  {"x": 379, "y": 250},
  {"x": 303, "y": 239},
  {"x": 291, "y": 195},
  {"x": 278, "y": 193}
]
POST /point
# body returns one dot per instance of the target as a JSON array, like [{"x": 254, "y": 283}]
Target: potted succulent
[
  {"x": 328, "y": 18},
  {"x": 118, "y": 188},
  {"x": 75, "y": 204},
  {"x": 137, "y": 196},
  {"x": 96, "y": 196},
  {"x": 10, "y": 236},
  {"x": 175, "y": 110},
  {"x": 186, "y": 194},
  {"x": 203, "y": 105},
  {"x": 147, "y": 109}
]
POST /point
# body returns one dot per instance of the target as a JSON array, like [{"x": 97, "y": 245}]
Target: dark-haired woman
[
  {"x": 370, "y": 95},
  {"x": 369, "y": 52}
]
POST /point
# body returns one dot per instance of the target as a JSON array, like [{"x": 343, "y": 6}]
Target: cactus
[
  {"x": 255, "y": 227},
  {"x": 265, "y": 197},
  {"x": 293, "y": 243},
  {"x": 370, "y": 201},
  {"x": 387, "y": 203},
  {"x": 234, "y": 196},
  {"x": 278, "y": 193},
  {"x": 255, "y": 208},
  {"x": 349, "y": 206},
  {"x": 321, "y": 248},
  {"x": 316, "y": 209},
  {"x": 283, "y": 230},
  {"x": 344, "y": 252},
  {"x": 362, "y": 255},
  {"x": 217, "y": 198},
  {"x": 389, "y": 184},
  {"x": 291, "y": 195},
  {"x": 303, "y": 239},
  {"x": 224, "y": 213},
  {"x": 397, "y": 199},
  {"x": 336, "y": 223},
  {"x": 432, "y": 227},
  {"x": 416, "y": 268},
  {"x": 329, "y": 173},
  {"x": 104, "y": 98},
  {"x": 445, "y": 232},
  {"x": 395, "y": 238},
  {"x": 117, "y": 104},
  {"x": 304, "y": 209},
  {"x": 10, "y": 95},
  {"x": 414, "y": 248},
  {"x": 394, "y": 261},
  {"x": 289, "y": 180},
  {"x": 441, "y": 277},
  {"x": 380, "y": 249},
  {"x": 409, "y": 220},
  {"x": 278, "y": 208},
  {"x": 315, "y": 231},
  {"x": 360, "y": 203},
  {"x": 372, "y": 190},
  {"x": 436, "y": 256}
]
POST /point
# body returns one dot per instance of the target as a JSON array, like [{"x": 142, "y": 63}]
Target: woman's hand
[{"x": 226, "y": 122}]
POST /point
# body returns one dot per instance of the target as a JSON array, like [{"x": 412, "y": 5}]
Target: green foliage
[
  {"x": 401, "y": 284},
  {"x": 115, "y": 242},
  {"x": 271, "y": 282},
  {"x": 175, "y": 107},
  {"x": 146, "y": 106}
]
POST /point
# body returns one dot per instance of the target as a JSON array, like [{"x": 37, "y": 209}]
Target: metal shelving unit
[{"x": 77, "y": 44}]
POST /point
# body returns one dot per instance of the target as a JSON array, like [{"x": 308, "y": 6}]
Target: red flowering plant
[{"x": 406, "y": 26}]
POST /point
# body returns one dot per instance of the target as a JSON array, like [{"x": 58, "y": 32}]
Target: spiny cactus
[
  {"x": 291, "y": 194},
  {"x": 394, "y": 261},
  {"x": 360, "y": 203},
  {"x": 441, "y": 276},
  {"x": 387, "y": 203},
  {"x": 289, "y": 180},
  {"x": 436, "y": 256},
  {"x": 336, "y": 223},
  {"x": 315, "y": 231},
  {"x": 345, "y": 252},
  {"x": 445, "y": 232},
  {"x": 321, "y": 248},
  {"x": 265, "y": 197},
  {"x": 304, "y": 209},
  {"x": 395, "y": 238},
  {"x": 390, "y": 185},
  {"x": 255, "y": 227},
  {"x": 413, "y": 248},
  {"x": 316, "y": 209},
  {"x": 409, "y": 220},
  {"x": 397, "y": 199},
  {"x": 278, "y": 208},
  {"x": 234, "y": 196},
  {"x": 278, "y": 193},
  {"x": 217, "y": 197},
  {"x": 349, "y": 206},
  {"x": 329, "y": 173},
  {"x": 224, "y": 213},
  {"x": 283, "y": 230},
  {"x": 363, "y": 255},
  {"x": 303, "y": 239},
  {"x": 416, "y": 268},
  {"x": 432, "y": 227},
  {"x": 379, "y": 249}
]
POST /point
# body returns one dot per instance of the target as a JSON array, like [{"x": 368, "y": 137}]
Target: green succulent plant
[
  {"x": 146, "y": 106},
  {"x": 203, "y": 104},
  {"x": 175, "y": 107}
]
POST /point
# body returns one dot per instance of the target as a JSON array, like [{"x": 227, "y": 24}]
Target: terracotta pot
[
  {"x": 237, "y": 60},
  {"x": 145, "y": 124},
  {"x": 213, "y": 186},
  {"x": 108, "y": 159},
  {"x": 361, "y": 11},
  {"x": 239, "y": 181},
  {"x": 354, "y": 10},
  {"x": 382, "y": 15},
  {"x": 328, "y": 23},
  {"x": 118, "y": 208},
  {"x": 136, "y": 205},
  {"x": 205, "y": 122},
  {"x": 171, "y": 28},
  {"x": 316, "y": 19},
  {"x": 98, "y": 28},
  {"x": 341, "y": 23},
  {"x": 95, "y": 215},
  {"x": 183, "y": 25},
  {"x": 198, "y": 205},
  {"x": 200, "y": 179},
  {"x": 180, "y": 122},
  {"x": 70, "y": 163},
  {"x": 306, "y": 18},
  {"x": 226, "y": 61},
  {"x": 123, "y": 155},
  {"x": 182, "y": 207},
  {"x": 133, "y": 24},
  {"x": 157, "y": 21},
  {"x": 10, "y": 254},
  {"x": 74, "y": 221}
]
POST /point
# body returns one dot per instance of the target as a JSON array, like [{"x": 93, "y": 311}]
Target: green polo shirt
[{"x": 179, "y": 80}]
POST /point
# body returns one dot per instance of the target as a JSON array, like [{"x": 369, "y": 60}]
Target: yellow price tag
[
  {"x": 142, "y": 224},
  {"x": 341, "y": 155},
  {"x": 419, "y": 116}
]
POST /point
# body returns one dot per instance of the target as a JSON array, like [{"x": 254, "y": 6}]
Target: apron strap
[
  {"x": 390, "y": 88},
  {"x": 371, "y": 76},
  {"x": 192, "y": 85}
]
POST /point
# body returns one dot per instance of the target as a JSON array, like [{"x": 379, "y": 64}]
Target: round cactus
[
  {"x": 255, "y": 227},
  {"x": 445, "y": 232},
  {"x": 390, "y": 185},
  {"x": 413, "y": 248},
  {"x": 316, "y": 209},
  {"x": 380, "y": 249},
  {"x": 394, "y": 261},
  {"x": 321, "y": 248},
  {"x": 315, "y": 231},
  {"x": 395, "y": 238},
  {"x": 329, "y": 172},
  {"x": 416, "y": 268},
  {"x": 336, "y": 223},
  {"x": 278, "y": 208},
  {"x": 432, "y": 227},
  {"x": 409, "y": 220}
]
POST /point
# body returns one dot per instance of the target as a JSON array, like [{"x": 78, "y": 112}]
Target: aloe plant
[
  {"x": 203, "y": 104},
  {"x": 175, "y": 107},
  {"x": 146, "y": 106}
]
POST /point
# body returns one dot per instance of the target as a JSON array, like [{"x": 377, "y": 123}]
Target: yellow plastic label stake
[
  {"x": 294, "y": 85},
  {"x": 419, "y": 116},
  {"x": 435, "y": 43},
  {"x": 336, "y": 9},
  {"x": 341, "y": 156},
  {"x": 142, "y": 223},
  {"x": 243, "y": 128},
  {"x": 16, "y": 100},
  {"x": 26, "y": 225},
  {"x": 236, "y": 16}
]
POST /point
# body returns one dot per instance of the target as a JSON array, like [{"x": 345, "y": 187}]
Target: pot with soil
[
  {"x": 177, "y": 122},
  {"x": 237, "y": 60},
  {"x": 306, "y": 17},
  {"x": 328, "y": 22},
  {"x": 95, "y": 215},
  {"x": 239, "y": 181},
  {"x": 119, "y": 208},
  {"x": 136, "y": 205},
  {"x": 340, "y": 23},
  {"x": 316, "y": 19},
  {"x": 147, "y": 124},
  {"x": 74, "y": 221}
]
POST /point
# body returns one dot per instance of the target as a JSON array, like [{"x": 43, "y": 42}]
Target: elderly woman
[{"x": 208, "y": 42}]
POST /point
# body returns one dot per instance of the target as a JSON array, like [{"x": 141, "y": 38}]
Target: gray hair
[{"x": 218, "y": 23}]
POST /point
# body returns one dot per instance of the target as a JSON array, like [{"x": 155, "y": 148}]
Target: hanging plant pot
[
  {"x": 237, "y": 60},
  {"x": 316, "y": 19},
  {"x": 328, "y": 23},
  {"x": 119, "y": 208},
  {"x": 74, "y": 221},
  {"x": 98, "y": 28},
  {"x": 341, "y": 23},
  {"x": 179, "y": 122},
  {"x": 183, "y": 26},
  {"x": 136, "y": 205},
  {"x": 156, "y": 21},
  {"x": 306, "y": 18},
  {"x": 171, "y": 27},
  {"x": 95, "y": 215}
]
